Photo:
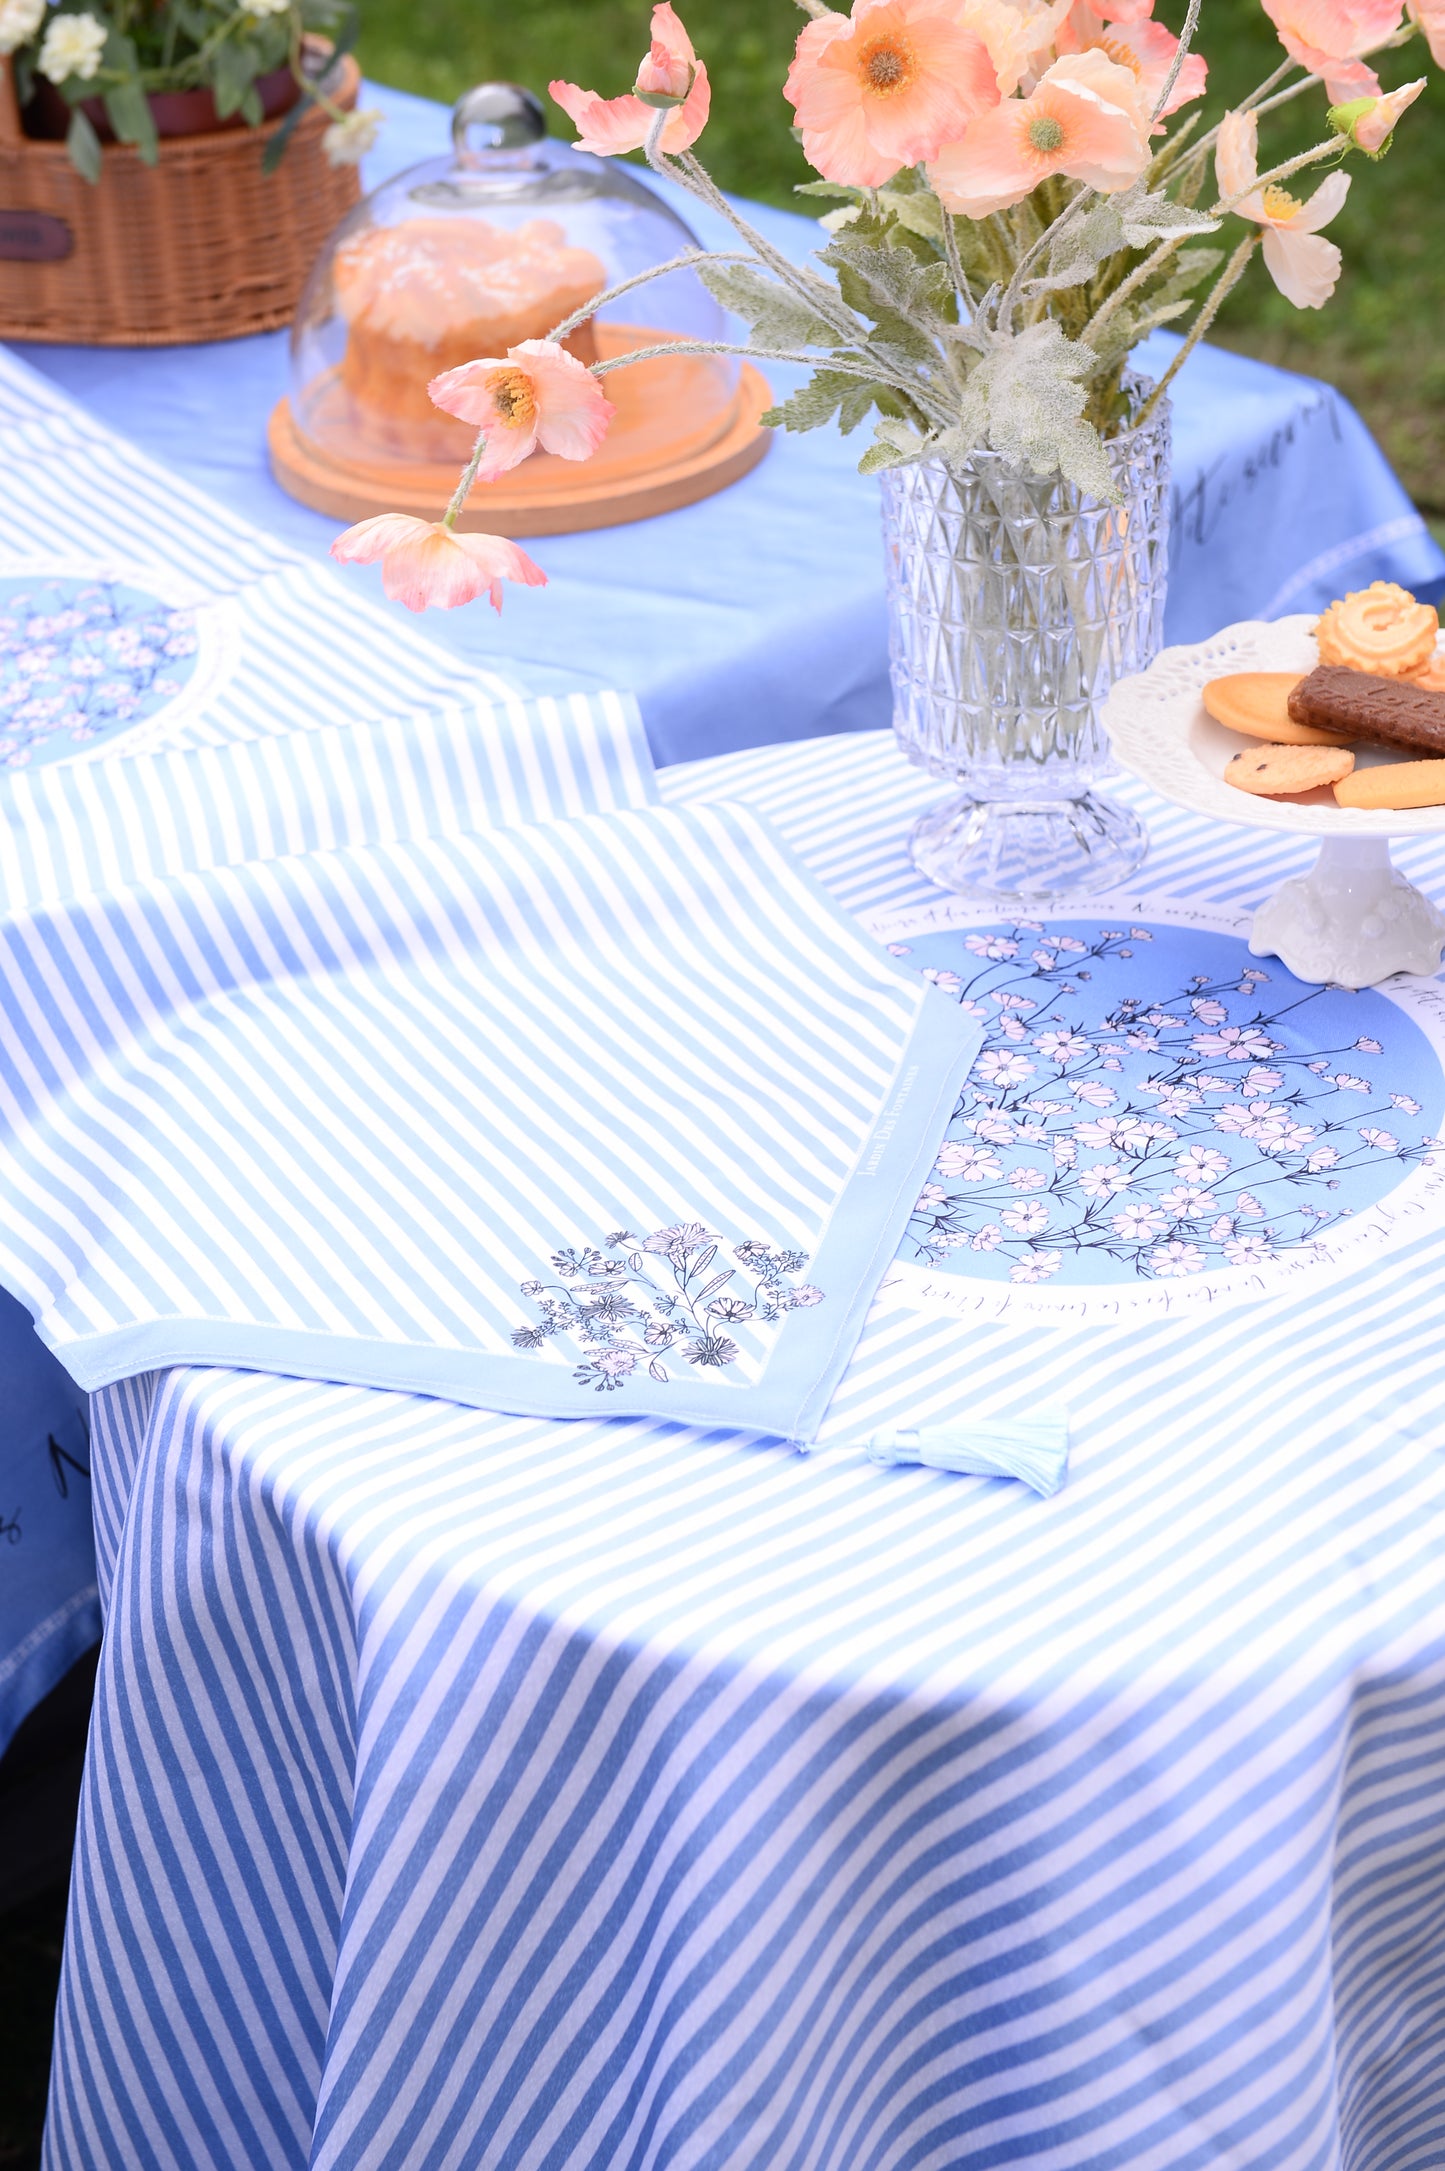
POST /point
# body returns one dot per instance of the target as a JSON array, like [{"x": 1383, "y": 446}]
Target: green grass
[{"x": 1379, "y": 340}]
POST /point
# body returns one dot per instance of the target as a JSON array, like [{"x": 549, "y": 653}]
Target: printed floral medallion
[
  {"x": 90, "y": 654},
  {"x": 1159, "y": 1117},
  {"x": 675, "y": 1298}
]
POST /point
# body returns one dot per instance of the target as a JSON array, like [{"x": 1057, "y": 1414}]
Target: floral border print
[{"x": 632, "y": 1300}]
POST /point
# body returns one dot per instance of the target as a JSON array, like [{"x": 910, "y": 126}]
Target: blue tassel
[{"x": 1035, "y": 1449}]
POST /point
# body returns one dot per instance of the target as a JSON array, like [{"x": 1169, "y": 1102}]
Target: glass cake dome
[{"x": 465, "y": 256}]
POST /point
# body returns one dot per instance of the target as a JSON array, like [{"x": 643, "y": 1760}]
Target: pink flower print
[
  {"x": 901, "y": 949},
  {"x": 968, "y": 1163},
  {"x": 1098, "y": 1132},
  {"x": 1183, "y": 1202},
  {"x": 1094, "y": 1091},
  {"x": 996, "y": 1068},
  {"x": 1111, "y": 1062},
  {"x": 1247, "y": 1250},
  {"x": 1126, "y": 953},
  {"x": 1176, "y": 1258},
  {"x": 988, "y": 1238},
  {"x": 1012, "y": 1028},
  {"x": 948, "y": 981},
  {"x": 1322, "y": 1158},
  {"x": 1027, "y": 1179},
  {"x": 615, "y": 1363},
  {"x": 1220, "y": 1229},
  {"x": 1161, "y": 1017},
  {"x": 804, "y": 1297},
  {"x": 1015, "y": 1002},
  {"x": 1137, "y": 1224},
  {"x": 1234, "y": 1116},
  {"x": 1142, "y": 1043},
  {"x": 1103, "y": 1178},
  {"x": 1247, "y": 1203},
  {"x": 1204, "y": 1083},
  {"x": 994, "y": 947},
  {"x": 1136, "y": 1136},
  {"x": 1369, "y": 1047},
  {"x": 1141, "y": 934},
  {"x": 1066, "y": 1153},
  {"x": 1044, "y": 959},
  {"x": 1406, "y": 1106},
  {"x": 1382, "y": 1141},
  {"x": 1258, "y": 1082},
  {"x": 932, "y": 1194},
  {"x": 994, "y": 1126},
  {"x": 970, "y": 1008},
  {"x": 1201, "y": 1165},
  {"x": 1038, "y": 1266},
  {"x": 1069, "y": 945},
  {"x": 1232, "y": 1044},
  {"x": 1349, "y": 1084},
  {"x": 1061, "y": 1047},
  {"x": 1026, "y": 1220}
]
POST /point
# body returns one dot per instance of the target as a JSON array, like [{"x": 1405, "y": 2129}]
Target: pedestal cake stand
[{"x": 1354, "y": 919}]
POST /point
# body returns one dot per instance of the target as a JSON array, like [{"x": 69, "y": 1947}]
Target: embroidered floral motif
[
  {"x": 631, "y": 1298},
  {"x": 1102, "y": 1134},
  {"x": 79, "y": 658}
]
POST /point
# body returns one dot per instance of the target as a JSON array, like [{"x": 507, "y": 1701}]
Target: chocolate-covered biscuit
[{"x": 1382, "y": 711}]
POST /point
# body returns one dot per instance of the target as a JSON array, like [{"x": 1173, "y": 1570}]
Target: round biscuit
[
  {"x": 1271, "y": 772},
  {"x": 1256, "y": 704}
]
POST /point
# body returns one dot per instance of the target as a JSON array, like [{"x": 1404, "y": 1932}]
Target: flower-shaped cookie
[{"x": 1381, "y": 629}]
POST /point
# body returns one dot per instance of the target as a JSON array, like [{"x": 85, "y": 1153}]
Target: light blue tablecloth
[
  {"x": 471, "y": 1791},
  {"x": 758, "y": 615}
]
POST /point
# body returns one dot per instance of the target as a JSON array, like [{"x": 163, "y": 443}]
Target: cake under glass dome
[{"x": 466, "y": 256}]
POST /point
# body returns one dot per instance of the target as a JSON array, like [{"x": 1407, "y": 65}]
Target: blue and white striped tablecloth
[{"x": 480, "y": 1791}]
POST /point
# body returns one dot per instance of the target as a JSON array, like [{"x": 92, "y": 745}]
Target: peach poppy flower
[
  {"x": 538, "y": 395},
  {"x": 1302, "y": 266},
  {"x": 1083, "y": 120},
  {"x": 1329, "y": 37},
  {"x": 608, "y": 126},
  {"x": 1020, "y": 39},
  {"x": 1145, "y": 46},
  {"x": 427, "y": 566},
  {"x": 886, "y": 87}
]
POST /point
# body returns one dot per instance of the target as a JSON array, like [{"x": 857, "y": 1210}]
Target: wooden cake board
[{"x": 677, "y": 436}]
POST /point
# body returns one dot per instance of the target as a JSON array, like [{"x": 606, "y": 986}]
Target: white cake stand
[{"x": 1353, "y": 920}]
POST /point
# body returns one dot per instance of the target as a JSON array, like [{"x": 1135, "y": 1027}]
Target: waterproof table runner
[
  {"x": 623, "y": 1105},
  {"x": 476, "y": 1791}
]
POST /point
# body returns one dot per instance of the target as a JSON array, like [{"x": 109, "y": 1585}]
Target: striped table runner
[{"x": 620, "y": 1106}]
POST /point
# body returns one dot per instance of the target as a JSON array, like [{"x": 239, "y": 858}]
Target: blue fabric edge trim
[{"x": 788, "y": 1402}]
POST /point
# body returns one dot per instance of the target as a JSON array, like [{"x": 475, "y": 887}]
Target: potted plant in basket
[
  {"x": 172, "y": 114},
  {"x": 1022, "y": 190}
]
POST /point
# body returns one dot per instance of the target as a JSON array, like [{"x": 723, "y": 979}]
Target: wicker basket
[{"x": 202, "y": 245}]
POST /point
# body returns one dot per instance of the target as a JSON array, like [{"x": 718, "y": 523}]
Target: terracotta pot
[{"x": 175, "y": 112}]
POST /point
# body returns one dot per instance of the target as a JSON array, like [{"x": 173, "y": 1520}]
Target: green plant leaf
[
  {"x": 233, "y": 70},
  {"x": 275, "y": 150},
  {"x": 827, "y": 392},
  {"x": 128, "y": 110},
  {"x": 778, "y": 320},
  {"x": 83, "y": 145}
]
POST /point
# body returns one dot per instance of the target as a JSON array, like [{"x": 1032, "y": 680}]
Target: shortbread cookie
[
  {"x": 1272, "y": 772},
  {"x": 1257, "y": 704},
  {"x": 1431, "y": 674},
  {"x": 1394, "y": 784},
  {"x": 1390, "y": 712},
  {"x": 1380, "y": 628}
]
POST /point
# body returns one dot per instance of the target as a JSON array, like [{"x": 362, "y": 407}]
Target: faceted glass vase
[{"x": 1014, "y": 603}]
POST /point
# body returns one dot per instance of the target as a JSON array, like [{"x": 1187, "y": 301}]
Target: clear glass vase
[{"x": 1014, "y": 603}]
